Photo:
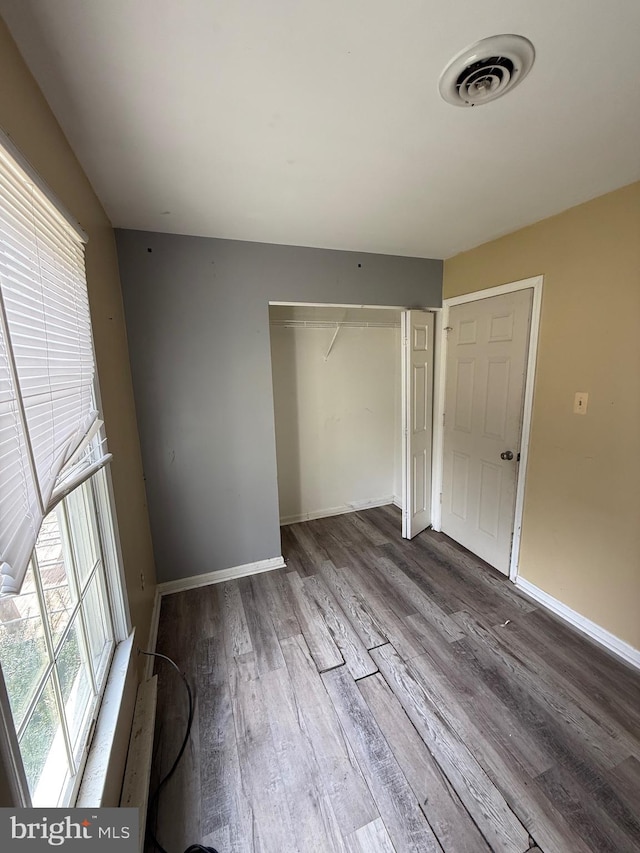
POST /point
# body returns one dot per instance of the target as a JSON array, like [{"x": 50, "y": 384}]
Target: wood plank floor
[{"x": 385, "y": 695}]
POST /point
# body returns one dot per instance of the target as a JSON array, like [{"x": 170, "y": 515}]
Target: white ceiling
[{"x": 320, "y": 124}]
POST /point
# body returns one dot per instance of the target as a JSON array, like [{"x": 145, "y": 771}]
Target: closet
[{"x": 338, "y": 411}]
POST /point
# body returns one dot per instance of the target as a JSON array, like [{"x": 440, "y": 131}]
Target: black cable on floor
[
  {"x": 194, "y": 848},
  {"x": 198, "y": 848}
]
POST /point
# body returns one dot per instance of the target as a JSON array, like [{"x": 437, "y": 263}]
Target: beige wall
[
  {"x": 27, "y": 119},
  {"x": 581, "y": 531}
]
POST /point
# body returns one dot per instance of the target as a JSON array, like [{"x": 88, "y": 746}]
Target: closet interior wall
[{"x": 336, "y": 388}]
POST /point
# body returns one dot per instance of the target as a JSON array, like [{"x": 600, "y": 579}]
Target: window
[
  {"x": 61, "y": 607},
  {"x": 56, "y": 642}
]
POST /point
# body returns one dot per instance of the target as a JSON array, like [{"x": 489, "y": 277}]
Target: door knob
[{"x": 508, "y": 455}]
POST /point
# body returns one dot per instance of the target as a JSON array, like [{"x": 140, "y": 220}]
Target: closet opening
[{"x": 342, "y": 382}]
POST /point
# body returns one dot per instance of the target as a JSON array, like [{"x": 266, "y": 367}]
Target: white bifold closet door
[{"x": 417, "y": 417}]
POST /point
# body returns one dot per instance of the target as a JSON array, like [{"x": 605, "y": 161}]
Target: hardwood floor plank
[
  {"x": 479, "y": 713},
  {"x": 402, "y": 816},
  {"x": 430, "y": 611},
  {"x": 609, "y": 682},
  {"x": 510, "y": 777},
  {"x": 338, "y": 554},
  {"x": 372, "y": 838},
  {"x": 388, "y": 522},
  {"x": 314, "y": 554},
  {"x": 237, "y": 639},
  {"x": 340, "y": 527},
  {"x": 375, "y": 536},
  {"x": 399, "y": 598},
  {"x": 183, "y": 608},
  {"x": 171, "y": 828},
  {"x": 212, "y": 757},
  {"x": 447, "y": 816},
  {"x": 339, "y": 773},
  {"x": 275, "y": 587},
  {"x": 227, "y": 818},
  {"x": 259, "y": 767},
  {"x": 218, "y": 737},
  {"x": 362, "y": 621},
  {"x": 556, "y": 719},
  {"x": 596, "y": 828},
  {"x": 493, "y": 602},
  {"x": 263, "y": 636},
  {"x": 601, "y": 710},
  {"x": 444, "y": 595},
  {"x": 318, "y": 637},
  {"x": 241, "y": 670},
  {"x": 625, "y": 779},
  {"x": 605, "y": 667},
  {"x": 613, "y": 807},
  {"x": 295, "y": 556},
  {"x": 395, "y": 514},
  {"x": 483, "y": 801},
  {"x": 358, "y": 661},
  {"x": 399, "y": 634},
  {"x": 476, "y": 568},
  {"x": 315, "y": 825},
  {"x": 172, "y": 714}
]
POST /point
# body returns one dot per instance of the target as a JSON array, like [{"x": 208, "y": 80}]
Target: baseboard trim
[
  {"x": 343, "y": 509},
  {"x": 614, "y": 644},
  {"x": 221, "y": 576},
  {"x": 397, "y": 501}
]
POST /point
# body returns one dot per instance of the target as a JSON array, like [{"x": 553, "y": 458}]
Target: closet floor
[{"x": 385, "y": 695}]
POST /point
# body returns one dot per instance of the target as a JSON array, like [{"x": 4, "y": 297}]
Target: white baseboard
[
  {"x": 397, "y": 501},
  {"x": 614, "y": 644},
  {"x": 343, "y": 509},
  {"x": 219, "y": 577}
]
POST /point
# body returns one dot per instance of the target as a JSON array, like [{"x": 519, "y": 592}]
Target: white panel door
[
  {"x": 487, "y": 344},
  {"x": 417, "y": 416}
]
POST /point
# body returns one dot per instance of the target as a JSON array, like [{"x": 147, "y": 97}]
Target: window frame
[
  {"x": 104, "y": 509},
  {"x": 103, "y": 517}
]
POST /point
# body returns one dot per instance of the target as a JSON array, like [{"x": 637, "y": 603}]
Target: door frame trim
[{"x": 442, "y": 319}]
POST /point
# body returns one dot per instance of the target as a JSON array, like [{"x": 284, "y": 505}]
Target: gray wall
[{"x": 198, "y": 325}]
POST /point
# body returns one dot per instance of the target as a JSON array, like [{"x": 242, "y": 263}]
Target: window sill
[{"x": 104, "y": 768}]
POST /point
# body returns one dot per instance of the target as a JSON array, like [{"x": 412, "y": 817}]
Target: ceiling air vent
[{"x": 486, "y": 70}]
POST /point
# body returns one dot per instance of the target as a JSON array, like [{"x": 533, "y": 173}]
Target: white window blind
[{"x": 48, "y": 439}]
